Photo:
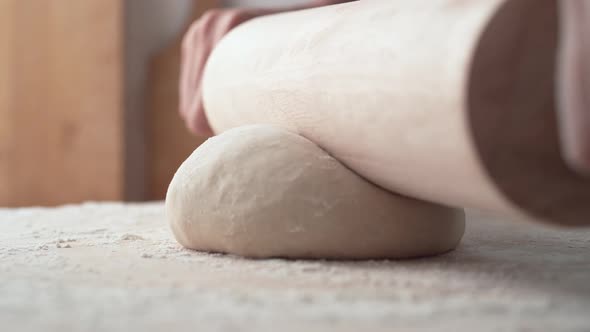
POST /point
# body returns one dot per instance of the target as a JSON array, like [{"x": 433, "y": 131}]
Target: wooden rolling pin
[{"x": 447, "y": 101}]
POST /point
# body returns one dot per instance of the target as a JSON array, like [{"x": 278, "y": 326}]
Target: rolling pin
[{"x": 446, "y": 101}]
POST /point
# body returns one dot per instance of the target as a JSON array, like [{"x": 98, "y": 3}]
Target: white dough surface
[
  {"x": 117, "y": 267},
  {"x": 263, "y": 191}
]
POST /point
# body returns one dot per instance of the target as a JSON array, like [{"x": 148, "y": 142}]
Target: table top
[{"x": 116, "y": 267}]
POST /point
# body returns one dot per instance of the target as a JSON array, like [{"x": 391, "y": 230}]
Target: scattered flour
[{"x": 124, "y": 271}]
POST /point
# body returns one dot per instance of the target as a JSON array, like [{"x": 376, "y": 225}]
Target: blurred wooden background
[
  {"x": 169, "y": 143},
  {"x": 73, "y": 126},
  {"x": 61, "y": 94}
]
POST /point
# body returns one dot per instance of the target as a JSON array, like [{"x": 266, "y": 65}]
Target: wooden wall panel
[
  {"x": 61, "y": 113},
  {"x": 6, "y": 35}
]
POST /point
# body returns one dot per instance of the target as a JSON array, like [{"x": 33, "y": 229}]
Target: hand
[{"x": 197, "y": 45}]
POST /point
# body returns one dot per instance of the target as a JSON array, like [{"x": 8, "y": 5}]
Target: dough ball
[{"x": 262, "y": 191}]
